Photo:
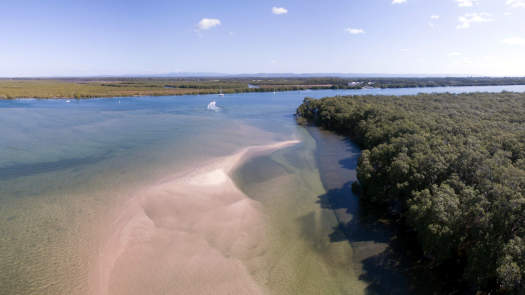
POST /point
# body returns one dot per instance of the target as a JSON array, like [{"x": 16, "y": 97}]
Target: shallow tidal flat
[
  {"x": 301, "y": 257},
  {"x": 191, "y": 233}
]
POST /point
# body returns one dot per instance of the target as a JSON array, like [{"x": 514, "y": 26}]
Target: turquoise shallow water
[{"x": 65, "y": 165}]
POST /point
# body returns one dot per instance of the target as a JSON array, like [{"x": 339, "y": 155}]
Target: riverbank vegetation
[
  {"x": 89, "y": 88},
  {"x": 452, "y": 166},
  {"x": 113, "y": 86}
]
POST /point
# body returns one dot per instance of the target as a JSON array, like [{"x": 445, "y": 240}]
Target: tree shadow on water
[
  {"x": 387, "y": 255},
  {"x": 384, "y": 252}
]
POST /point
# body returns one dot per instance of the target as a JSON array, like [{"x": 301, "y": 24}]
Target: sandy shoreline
[{"x": 192, "y": 233}]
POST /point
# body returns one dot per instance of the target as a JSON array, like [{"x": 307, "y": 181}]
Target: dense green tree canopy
[{"x": 453, "y": 165}]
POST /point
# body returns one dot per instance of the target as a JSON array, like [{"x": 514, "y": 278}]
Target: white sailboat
[{"x": 220, "y": 93}]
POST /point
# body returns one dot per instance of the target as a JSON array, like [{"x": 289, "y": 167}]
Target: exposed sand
[{"x": 193, "y": 233}]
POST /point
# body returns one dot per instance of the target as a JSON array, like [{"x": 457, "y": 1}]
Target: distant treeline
[
  {"x": 452, "y": 166},
  {"x": 89, "y": 88},
  {"x": 125, "y": 86},
  {"x": 441, "y": 82},
  {"x": 358, "y": 83}
]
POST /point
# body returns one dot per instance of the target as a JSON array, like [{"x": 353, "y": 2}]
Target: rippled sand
[{"x": 193, "y": 233}]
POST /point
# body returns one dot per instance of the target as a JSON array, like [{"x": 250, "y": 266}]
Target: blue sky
[{"x": 61, "y": 38}]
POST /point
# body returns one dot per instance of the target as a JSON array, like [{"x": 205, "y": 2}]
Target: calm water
[{"x": 64, "y": 167}]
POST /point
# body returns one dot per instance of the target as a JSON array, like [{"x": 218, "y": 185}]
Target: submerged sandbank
[{"x": 192, "y": 233}]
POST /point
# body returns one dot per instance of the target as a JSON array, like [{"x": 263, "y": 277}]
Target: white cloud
[
  {"x": 399, "y": 1},
  {"x": 455, "y": 53},
  {"x": 208, "y": 23},
  {"x": 279, "y": 10},
  {"x": 516, "y": 3},
  {"x": 469, "y": 18},
  {"x": 467, "y": 3},
  {"x": 434, "y": 16},
  {"x": 514, "y": 41},
  {"x": 354, "y": 31}
]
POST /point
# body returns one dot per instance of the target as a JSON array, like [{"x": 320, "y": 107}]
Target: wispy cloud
[
  {"x": 516, "y": 3},
  {"x": 467, "y": 3},
  {"x": 399, "y": 1},
  {"x": 208, "y": 23},
  {"x": 468, "y": 19},
  {"x": 433, "y": 17},
  {"x": 514, "y": 41},
  {"x": 279, "y": 10},
  {"x": 454, "y": 53},
  {"x": 354, "y": 31}
]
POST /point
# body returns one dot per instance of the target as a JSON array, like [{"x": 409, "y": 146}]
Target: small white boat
[
  {"x": 220, "y": 93},
  {"x": 212, "y": 106}
]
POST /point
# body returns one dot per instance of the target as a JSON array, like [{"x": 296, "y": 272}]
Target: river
[{"x": 75, "y": 175}]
